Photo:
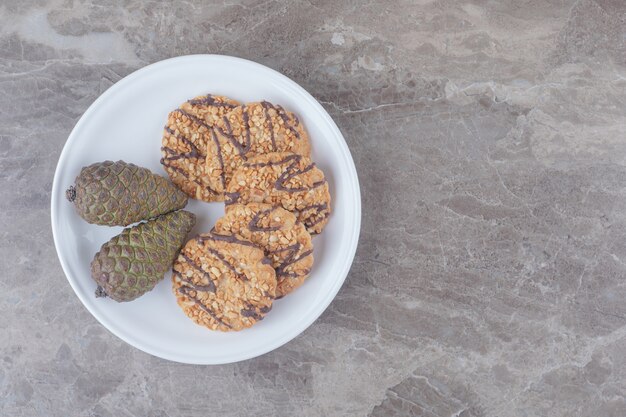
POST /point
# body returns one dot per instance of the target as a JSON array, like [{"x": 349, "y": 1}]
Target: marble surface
[{"x": 490, "y": 141}]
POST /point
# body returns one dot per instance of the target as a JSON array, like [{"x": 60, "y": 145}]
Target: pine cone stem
[{"x": 70, "y": 194}]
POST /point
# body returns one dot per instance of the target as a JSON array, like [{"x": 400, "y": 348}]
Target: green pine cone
[
  {"x": 133, "y": 262},
  {"x": 118, "y": 194}
]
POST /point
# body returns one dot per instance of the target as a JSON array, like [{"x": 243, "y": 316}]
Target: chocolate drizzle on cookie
[
  {"x": 292, "y": 274},
  {"x": 172, "y": 155},
  {"x": 317, "y": 213},
  {"x": 205, "y": 274},
  {"x": 250, "y": 311},
  {"x": 246, "y": 124},
  {"x": 320, "y": 209},
  {"x": 186, "y": 291},
  {"x": 193, "y": 118},
  {"x": 283, "y": 115},
  {"x": 272, "y": 163},
  {"x": 266, "y": 106},
  {"x": 245, "y": 147},
  {"x": 225, "y": 262},
  {"x": 194, "y": 151},
  {"x": 211, "y": 133},
  {"x": 231, "y": 198},
  {"x": 229, "y": 239},
  {"x": 209, "y": 100},
  {"x": 289, "y": 173},
  {"x": 254, "y": 223},
  {"x": 228, "y": 134},
  {"x": 291, "y": 258}
]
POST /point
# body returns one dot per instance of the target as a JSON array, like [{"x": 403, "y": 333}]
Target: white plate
[{"x": 126, "y": 123}]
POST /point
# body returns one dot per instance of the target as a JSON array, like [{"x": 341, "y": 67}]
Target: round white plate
[{"x": 126, "y": 123}]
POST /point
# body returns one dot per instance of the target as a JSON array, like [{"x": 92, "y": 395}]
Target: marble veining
[{"x": 490, "y": 141}]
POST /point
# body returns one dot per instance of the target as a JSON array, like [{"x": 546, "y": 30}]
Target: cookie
[
  {"x": 184, "y": 145},
  {"x": 223, "y": 283},
  {"x": 282, "y": 237},
  {"x": 283, "y": 179},
  {"x": 250, "y": 129}
]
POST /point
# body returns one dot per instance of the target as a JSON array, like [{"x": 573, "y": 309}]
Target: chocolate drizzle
[
  {"x": 291, "y": 258},
  {"x": 245, "y": 147},
  {"x": 228, "y": 265},
  {"x": 207, "y": 288},
  {"x": 283, "y": 115},
  {"x": 266, "y": 106},
  {"x": 195, "y": 152},
  {"x": 193, "y": 118},
  {"x": 186, "y": 291},
  {"x": 230, "y": 239},
  {"x": 313, "y": 223},
  {"x": 318, "y": 183},
  {"x": 288, "y": 174},
  {"x": 320, "y": 209},
  {"x": 231, "y": 198},
  {"x": 291, "y": 274},
  {"x": 251, "y": 312},
  {"x": 272, "y": 163},
  {"x": 246, "y": 123},
  {"x": 227, "y": 124},
  {"x": 193, "y": 149},
  {"x": 174, "y": 155},
  {"x": 228, "y": 134},
  {"x": 209, "y": 100},
  {"x": 254, "y": 223}
]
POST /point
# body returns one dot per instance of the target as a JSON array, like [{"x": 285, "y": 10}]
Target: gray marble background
[{"x": 490, "y": 140}]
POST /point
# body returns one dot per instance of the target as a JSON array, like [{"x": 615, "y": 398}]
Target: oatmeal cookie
[
  {"x": 223, "y": 283},
  {"x": 282, "y": 237},
  {"x": 184, "y": 145},
  {"x": 250, "y": 129},
  {"x": 283, "y": 179}
]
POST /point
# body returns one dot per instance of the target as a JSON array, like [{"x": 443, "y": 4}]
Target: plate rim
[{"x": 300, "y": 325}]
